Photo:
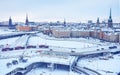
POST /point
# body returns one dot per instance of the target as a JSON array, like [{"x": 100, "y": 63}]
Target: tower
[
  {"x": 10, "y": 23},
  {"x": 26, "y": 22},
  {"x": 64, "y": 23},
  {"x": 110, "y": 20},
  {"x": 98, "y": 22}
]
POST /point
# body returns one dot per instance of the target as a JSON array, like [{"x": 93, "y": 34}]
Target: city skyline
[{"x": 52, "y": 10}]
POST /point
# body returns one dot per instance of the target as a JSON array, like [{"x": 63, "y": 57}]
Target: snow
[
  {"x": 63, "y": 44},
  {"x": 4, "y": 32},
  {"x": 102, "y": 66},
  {"x": 41, "y": 71},
  {"x": 32, "y": 57},
  {"x": 3, "y": 68},
  {"x": 8, "y": 41},
  {"x": 68, "y": 44}
]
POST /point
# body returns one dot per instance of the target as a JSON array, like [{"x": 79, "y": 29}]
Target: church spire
[
  {"x": 110, "y": 20},
  {"x": 10, "y": 22},
  {"x": 110, "y": 14},
  {"x": 64, "y": 22},
  {"x": 98, "y": 22},
  {"x": 26, "y": 22}
]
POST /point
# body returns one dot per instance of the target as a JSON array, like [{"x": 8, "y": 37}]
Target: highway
[
  {"x": 82, "y": 70},
  {"x": 12, "y": 34},
  {"x": 85, "y": 71}
]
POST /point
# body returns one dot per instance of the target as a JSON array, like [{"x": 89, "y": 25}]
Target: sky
[{"x": 58, "y": 10}]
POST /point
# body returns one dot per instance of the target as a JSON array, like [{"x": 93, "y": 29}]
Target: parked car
[
  {"x": 112, "y": 47},
  {"x": 14, "y": 62},
  {"x": 19, "y": 47},
  {"x": 9, "y": 65},
  {"x": 7, "y": 49},
  {"x": 31, "y": 46},
  {"x": 43, "y": 46}
]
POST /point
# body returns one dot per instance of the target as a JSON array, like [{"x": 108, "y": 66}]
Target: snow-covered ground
[
  {"x": 8, "y": 42},
  {"x": 59, "y": 43},
  {"x": 63, "y": 44},
  {"x": 33, "y": 57},
  {"x": 41, "y": 71},
  {"x": 105, "y": 67}
]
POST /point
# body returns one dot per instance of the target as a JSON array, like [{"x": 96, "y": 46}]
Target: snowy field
[
  {"x": 63, "y": 44},
  {"x": 57, "y": 43},
  {"x": 32, "y": 59},
  {"x": 105, "y": 67},
  {"x": 41, "y": 71},
  {"x": 8, "y": 41},
  {"x": 5, "y": 31}
]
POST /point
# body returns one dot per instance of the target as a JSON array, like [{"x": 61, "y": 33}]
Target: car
[
  {"x": 43, "y": 46},
  {"x": 14, "y": 62},
  {"x": 7, "y": 49},
  {"x": 9, "y": 65},
  {"x": 98, "y": 49},
  {"x": 112, "y": 47},
  {"x": 73, "y": 51},
  {"x": 31, "y": 46},
  {"x": 19, "y": 47},
  {"x": 102, "y": 48}
]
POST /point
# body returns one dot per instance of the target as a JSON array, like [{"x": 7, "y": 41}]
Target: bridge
[{"x": 10, "y": 35}]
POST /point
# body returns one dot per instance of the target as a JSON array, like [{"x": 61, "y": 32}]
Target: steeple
[
  {"x": 10, "y": 22},
  {"x": 110, "y": 14},
  {"x": 64, "y": 23},
  {"x": 110, "y": 20},
  {"x": 98, "y": 22},
  {"x": 26, "y": 22}
]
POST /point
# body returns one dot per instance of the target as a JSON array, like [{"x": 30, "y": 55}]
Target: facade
[
  {"x": 80, "y": 33},
  {"x": 119, "y": 37},
  {"x": 70, "y": 33},
  {"x": 75, "y": 33},
  {"x": 61, "y": 33},
  {"x": 101, "y": 35},
  {"x": 23, "y": 28},
  {"x": 111, "y": 37}
]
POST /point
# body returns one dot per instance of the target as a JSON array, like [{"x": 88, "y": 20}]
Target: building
[
  {"x": 110, "y": 24},
  {"x": 80, "y": 33},
  {"x": 95, "y": 33},
  {"x": 119, "y": 37},
  {"x": 10, "y": 25},
  {"x": 23, "y": 28},
  {"x": 65, "y": 33},
  {"x": 111, "y": 37},
  {"x": 26, "y": 21},
  {"x": 98, "y": 22},
  {"x": 64, "y": 24},
  {"x": 61, "y": 33}
]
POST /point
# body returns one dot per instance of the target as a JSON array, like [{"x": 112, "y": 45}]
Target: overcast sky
[{"x": 54, "y": 10}]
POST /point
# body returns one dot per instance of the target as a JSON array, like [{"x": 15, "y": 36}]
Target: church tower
[
  {"x": 10, "y": 23},
  {"x": 64, "y": 23},
  {"x": 26, "y": 22},
  {"x": 110, "y": 24},
  {"x": 98, "y": 22}
]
